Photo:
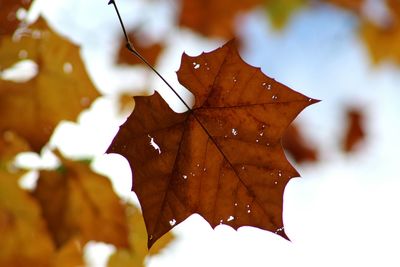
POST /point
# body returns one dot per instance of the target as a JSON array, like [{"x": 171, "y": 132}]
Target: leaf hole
[
  {"x": 234, "y": 131},
  {"x": 22, "y": 71},
  {"x": 196, "y": 65},
  {"x": 154, "y": 144}
]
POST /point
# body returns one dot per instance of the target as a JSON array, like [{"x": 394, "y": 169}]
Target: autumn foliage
[
  {"x": 225, "y": 158},
  {"x": 70, "y": 205}
]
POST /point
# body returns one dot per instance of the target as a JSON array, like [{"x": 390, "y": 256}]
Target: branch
[{"x": 131, "y": 49}]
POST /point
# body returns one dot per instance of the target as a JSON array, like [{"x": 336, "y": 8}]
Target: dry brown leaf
[
  {"x": 60, "y": 91},
  {"x": 355, "y": 132},
  {"x": 135, "y": 256},
  {"x": 223, "y": 159},
  {"x": 149, "y": 50},
  {"x": 77, "y": 202},
  {"x": 294, "y": 142},
  {"x": 213, "y": 18},
  {"x": 394, "y": 9},
  {"x": 24, "y": 239},
  {"x": 8, "y": 15}
]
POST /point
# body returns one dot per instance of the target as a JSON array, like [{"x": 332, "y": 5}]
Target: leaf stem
[
  {"x": 129, "y": 46},
  {"x": 131, "y": 49}
]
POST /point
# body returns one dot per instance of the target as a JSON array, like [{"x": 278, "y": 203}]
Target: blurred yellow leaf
[
  {"x": 10, "y": 146},
  {"x": 138, "y": 251},
  {"x": 382, "y": 42},
  {"x": 60, "y": 90},
  {"x": 70, "y": 255},
  {"x": 280, "y": 11},
  {"x": 126, "y": 103},
  {"x": 78, "y": 202},
  {"x": 24, "y": 239}
]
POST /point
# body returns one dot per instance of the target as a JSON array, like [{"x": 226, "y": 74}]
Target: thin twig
[{"x": 129, "y": 46}]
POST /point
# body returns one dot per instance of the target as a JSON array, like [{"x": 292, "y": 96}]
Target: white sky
[{"x": 344, "y": 211}]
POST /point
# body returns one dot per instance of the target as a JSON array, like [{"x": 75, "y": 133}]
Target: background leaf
[
  {"x": 78, "y": 203},
  {"x": 60, "y": 90},
  {"x": 138, "y": 251},
  {"x": 25, "y": 240}
]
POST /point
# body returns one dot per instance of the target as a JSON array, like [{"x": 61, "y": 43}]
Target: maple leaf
[
  {"x": 77, "y": 202},
  {"x": 60, "y": 90},
  {"x": 8, "y": 14},
  {"x": 137, "y": 252},
  {"x": 213, "y": 18},
  {"x": 223, "y": 159}
]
